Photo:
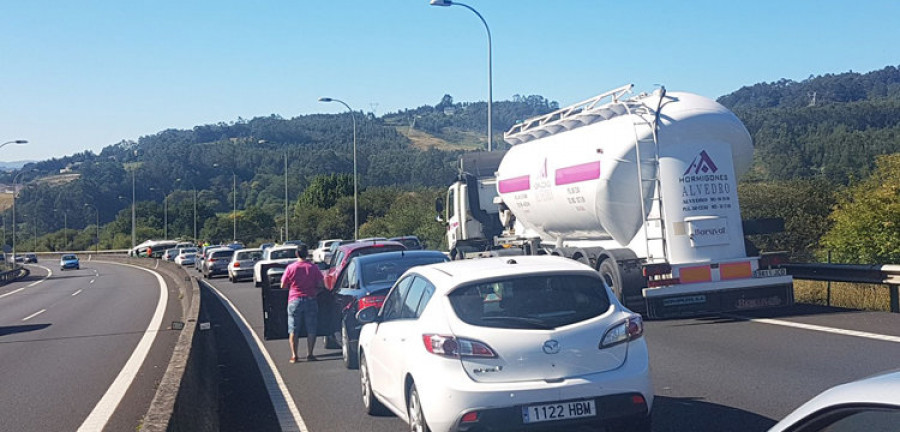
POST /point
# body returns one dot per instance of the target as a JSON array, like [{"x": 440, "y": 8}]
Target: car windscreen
[
  {"x": 389, "y": 271},
  {"x": 531, "y": 302},
  {"x": 69, "y": 257},
  {"x": 283, "y": 254},
  {"x": 375, "y": 249}
]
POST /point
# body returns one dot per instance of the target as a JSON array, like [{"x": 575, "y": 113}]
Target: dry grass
[
  {"x": 844, "y": 294},
  {"x": 6, "y": 200},
  {"x": 424, "y": 140}
]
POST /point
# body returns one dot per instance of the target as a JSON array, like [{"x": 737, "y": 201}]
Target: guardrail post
[{"x": 895, "y": 298}]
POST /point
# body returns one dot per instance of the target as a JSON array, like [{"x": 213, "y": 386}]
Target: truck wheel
[{"x": 609, "y": 271}]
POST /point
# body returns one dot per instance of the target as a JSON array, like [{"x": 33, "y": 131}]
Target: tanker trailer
[{"x": 641, "y": 188}]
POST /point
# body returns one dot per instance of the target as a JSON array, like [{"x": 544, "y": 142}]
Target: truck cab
[{"x": 470, "y": 213}]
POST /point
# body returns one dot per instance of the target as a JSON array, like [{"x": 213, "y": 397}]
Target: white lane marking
[
  {"x": 285, "y": 409},
  {"x": 824, "y": 329},
  {"x": 92, "y": 281},
  {"x": 49, "y": 273},
  {"x": 34, "y": 315},
  {"x": 104, "y": 409},
  {"x": 12, "y": 292},
  {"x": 77, "y": 292}
]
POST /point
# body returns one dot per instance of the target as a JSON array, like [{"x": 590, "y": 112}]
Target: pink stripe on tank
[
  {"x": 578, "y": 173},
  {"x": 514, "y": 184}
]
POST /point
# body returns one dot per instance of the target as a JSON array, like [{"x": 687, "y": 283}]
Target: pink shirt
[{"x": 303, "y": 278}]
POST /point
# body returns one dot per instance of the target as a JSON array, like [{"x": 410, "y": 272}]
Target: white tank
[{"x": 582, "y": 183}]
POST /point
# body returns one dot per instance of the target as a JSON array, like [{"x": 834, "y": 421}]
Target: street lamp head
[
  {"x": 441, "y": 3},
  {"x": 325, "y": 99}
]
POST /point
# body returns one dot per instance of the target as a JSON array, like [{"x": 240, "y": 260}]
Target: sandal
[{"x": 293, "y": 360}]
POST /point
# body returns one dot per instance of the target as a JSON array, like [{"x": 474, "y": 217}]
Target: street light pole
[
  {"x": 14, "y": 142},
  {"x": 133, "y": 219},
  {"x": 286, "y": 232},
  {"x": 97, "y": 222},
  {"x": 490, "y": 74},
  {"x": 15, "y": 192},
  {"x": 165, "y": 213},
  {"x": 355, "y": 182},
  {"x": 234, "y": 211}
]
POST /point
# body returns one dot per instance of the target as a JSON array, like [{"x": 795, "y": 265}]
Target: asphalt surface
[
  {"x": 729, "y": 372},
  {"x": 64, "y": 340}
]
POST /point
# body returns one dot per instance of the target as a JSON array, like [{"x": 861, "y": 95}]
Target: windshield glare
[
  {"x": 531, "y": 302},
  {"x": 389, "y": 271}
]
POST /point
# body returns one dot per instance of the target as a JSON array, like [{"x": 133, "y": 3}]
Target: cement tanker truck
[{"x": 643, "y": 188}]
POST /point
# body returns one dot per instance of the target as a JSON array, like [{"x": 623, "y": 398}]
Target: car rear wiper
[{"x": 527, "y": 322}]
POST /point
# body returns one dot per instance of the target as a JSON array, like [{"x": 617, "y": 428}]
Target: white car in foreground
[
  {"x": 506, "y": 343},
  {"x": 284, "y": 254},
  {"x": 871, "y": 405}
]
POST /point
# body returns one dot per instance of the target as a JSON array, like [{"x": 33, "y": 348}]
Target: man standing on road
[{"x": 304, "y": 280}]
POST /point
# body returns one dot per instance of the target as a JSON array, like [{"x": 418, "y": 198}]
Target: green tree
[
  {"x": 866, "y": 220},
  {"x": 803, "y": 204}
]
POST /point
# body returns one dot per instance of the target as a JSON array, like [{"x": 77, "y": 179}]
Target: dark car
[
  {"x": 31, "y": 258},
  {"x": 411, "y": 242},
  {"x": 345, "y": 253},
  {"x": 365, "y": 282}
]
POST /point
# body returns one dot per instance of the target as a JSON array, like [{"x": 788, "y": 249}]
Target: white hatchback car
[
  {"x": 870, "y": 404},
  {"x": 284, "y": 254},
  {"x": 505, "y": 343}
]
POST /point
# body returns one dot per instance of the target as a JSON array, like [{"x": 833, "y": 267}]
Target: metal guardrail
[{"x": 871, "y": 274}]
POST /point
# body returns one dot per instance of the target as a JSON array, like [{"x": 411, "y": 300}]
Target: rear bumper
[
  {"x": 697, "y": 299},
  {"x": 449, "y": 394}
]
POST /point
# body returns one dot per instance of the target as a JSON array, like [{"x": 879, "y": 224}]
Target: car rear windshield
[
  {"x": 249, "y": 255},
  {"x": 531, "y": 302},
  {"x": 390, "y": 271},
  {"x": 222, "y": 254},
  {"x": 375, "y": 249},
  {"x": 282, "y": 254}
]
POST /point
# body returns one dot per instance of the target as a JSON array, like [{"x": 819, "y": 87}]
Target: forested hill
[{"x": 831, "y": 125}]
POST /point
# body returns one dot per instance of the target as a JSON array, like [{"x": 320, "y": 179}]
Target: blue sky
[{"x": 82, "y": 75}]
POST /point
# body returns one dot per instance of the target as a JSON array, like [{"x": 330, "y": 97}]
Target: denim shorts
[{"x": 306, "y": 309}]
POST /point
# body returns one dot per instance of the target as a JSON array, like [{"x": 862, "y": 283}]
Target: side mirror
[
  {"x": 439, "y": 205},
  {"x": 367, "y": 315}
]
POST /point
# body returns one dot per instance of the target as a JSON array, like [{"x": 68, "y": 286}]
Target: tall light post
[
  {"x": 165, "y": 212},
  {"x": 234, "y": 203},
  {"x": 194, "y": 193},
  {"x": 287, "y": 234},
  {"x": 14, "y": 142},
  {"x": 15, "y": 192},
  {"x": 490, "y": 77},
  {"x": 97, "y": 222},
  {"x": 133, "y": 218},
  {"x": 65, "y": 228},
  {"x": 355, "y": 181}
]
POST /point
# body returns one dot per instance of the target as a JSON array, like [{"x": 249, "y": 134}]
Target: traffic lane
[
  {"x": 326, "y": 393},
  {"x": 75, "y": 349},
  {"x": 37, "y": 273},
  {"x": 884, "y": 323},
  {"x": 761, "y": 369}
]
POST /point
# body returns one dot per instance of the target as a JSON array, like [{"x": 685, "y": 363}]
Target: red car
[{"x": 346, "y": 252}]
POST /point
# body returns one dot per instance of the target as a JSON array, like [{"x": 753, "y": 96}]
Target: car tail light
[
  {"x": 237, "y": 264},
  {"x": 369, "y": 301},
  {"x": 470, "y": 417},
  {"x": 453, "y": 347},
  {"x": 625, "y": 331}
]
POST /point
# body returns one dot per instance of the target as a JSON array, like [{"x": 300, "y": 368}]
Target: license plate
[
  {"x": 558, "y": 411},
  {"x": 770, "y": 272}
]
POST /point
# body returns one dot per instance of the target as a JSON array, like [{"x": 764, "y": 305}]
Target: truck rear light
[
  {"x": 453, "y": 347},
  {"x": 657, "y": 269},
  {"x": 625, "y": 331},
  {"x": 653, "y": 283},
  {"x": 369, "y": 301},
  {"x": 772, "y": 259}
]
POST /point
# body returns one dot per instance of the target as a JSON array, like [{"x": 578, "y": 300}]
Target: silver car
[
  {"x": 216, "y": 262},
  {"x": 241, "y": 265}
]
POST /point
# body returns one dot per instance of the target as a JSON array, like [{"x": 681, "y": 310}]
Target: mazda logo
[{"x": 551, "y": 347}]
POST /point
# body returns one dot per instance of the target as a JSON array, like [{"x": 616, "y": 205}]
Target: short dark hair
[{"x": 302, "y": 251}]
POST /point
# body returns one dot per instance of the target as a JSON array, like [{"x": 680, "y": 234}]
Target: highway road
[
  {"x": 83, "y": 349},
  {"x": 728, "y": 372}
]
